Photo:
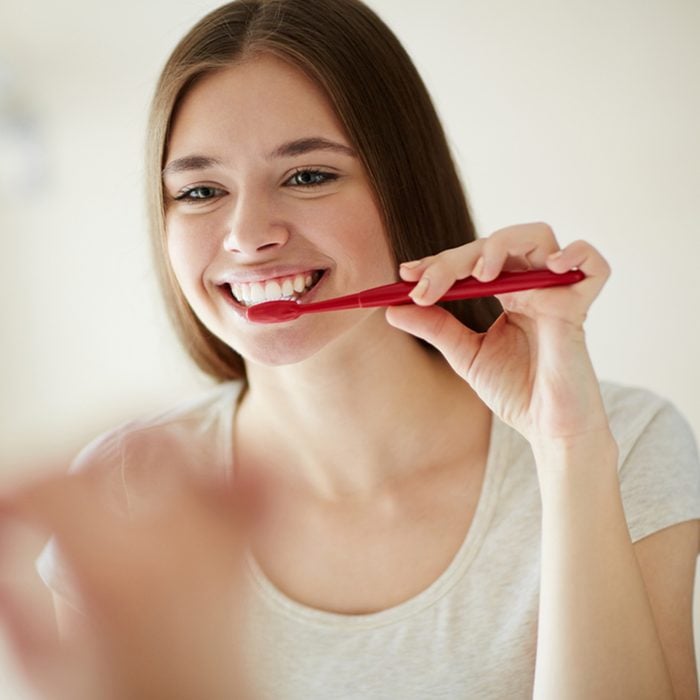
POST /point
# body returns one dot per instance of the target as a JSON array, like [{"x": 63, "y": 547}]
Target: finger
[
  {"x": 585, "y": 257},
  {"x": 529, "y": 243},
  {"x": 442, "y": 330},
  {"x": 31, "y": 640},
  {"x": 26, "y": 615},
  {"x": 443, "y": 270},
  {"x": 515, "y": 247},
  {"x": 62, "y": 505},
  {"x": 38, "y": 500},
  {"x": 38, "y": 654},
  {"x": 412, "y": 270}
]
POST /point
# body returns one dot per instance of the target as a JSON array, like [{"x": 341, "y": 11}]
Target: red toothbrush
[{"x": 397, "y": 294}]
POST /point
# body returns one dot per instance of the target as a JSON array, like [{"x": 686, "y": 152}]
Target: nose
[{"x": 252, "y": 228}]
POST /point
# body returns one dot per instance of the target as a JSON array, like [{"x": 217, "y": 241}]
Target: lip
[
  {"x": 241, "y": 310},
  {"x": 265, "y": 274}
]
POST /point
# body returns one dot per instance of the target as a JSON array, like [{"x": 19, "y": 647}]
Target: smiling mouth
[{"x": 288, "y": 288}]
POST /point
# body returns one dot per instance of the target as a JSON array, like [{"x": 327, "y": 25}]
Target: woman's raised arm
[{"x": 607, "y": 626}]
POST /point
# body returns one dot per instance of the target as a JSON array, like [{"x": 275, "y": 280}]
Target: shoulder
[
  {"x": 637, "y": 414},
  {"x": 658, "y": 459},
  {"x": 634, "y": 413},
  {"x": 193, "y": 435}
]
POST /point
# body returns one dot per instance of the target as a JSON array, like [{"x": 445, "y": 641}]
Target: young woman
[{"x": 455, "y": 506}]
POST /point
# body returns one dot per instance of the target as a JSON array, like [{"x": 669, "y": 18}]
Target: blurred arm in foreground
[{"x": 161, "y": 592}]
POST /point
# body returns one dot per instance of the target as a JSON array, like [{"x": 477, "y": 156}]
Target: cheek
[
  {"x": 370, "y": 244},
  {"x": 189, "y": 252},
  {"x": 360, "y": 236},
  {"x": 372, "y": 237}
]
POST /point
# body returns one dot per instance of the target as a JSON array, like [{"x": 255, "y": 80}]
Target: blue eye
[
  {"x": 199, "y": 193},
  {"x": 311, "y": 178}
]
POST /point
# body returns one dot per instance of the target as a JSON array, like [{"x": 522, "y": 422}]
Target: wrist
[
  {"x": 578, "y": 476},
  {"x": 583, "y": 451}
]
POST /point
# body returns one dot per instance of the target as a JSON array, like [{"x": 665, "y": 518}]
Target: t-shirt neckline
[{"x": 454, "y": 572}]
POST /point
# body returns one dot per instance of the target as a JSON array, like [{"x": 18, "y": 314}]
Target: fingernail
[
  {"x": 410, "y": 265},
  {"x": 478, "y": 268},
  {"x": 420, "y": 289}
]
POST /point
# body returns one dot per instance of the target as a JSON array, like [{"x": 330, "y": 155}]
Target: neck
[{"x": 352, "y": 419}]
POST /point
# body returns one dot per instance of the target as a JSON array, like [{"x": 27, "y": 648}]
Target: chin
[
  {"x": 277, "y": 355},
  {"x": 275, "y": 345}
]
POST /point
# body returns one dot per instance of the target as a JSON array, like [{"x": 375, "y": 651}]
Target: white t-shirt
[{"x": 472, "y": 632}]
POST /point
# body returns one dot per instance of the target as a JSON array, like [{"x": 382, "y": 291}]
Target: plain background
[{"x": 584, "y": 115}]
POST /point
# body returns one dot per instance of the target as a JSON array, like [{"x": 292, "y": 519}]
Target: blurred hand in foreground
[{"x": 161, "y": 591}]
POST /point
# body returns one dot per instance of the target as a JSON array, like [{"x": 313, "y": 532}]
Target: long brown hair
[{"x": 380, "y": 100}]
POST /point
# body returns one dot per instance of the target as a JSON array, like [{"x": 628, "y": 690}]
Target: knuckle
[
  {"x": 425, "y": 262},
  {"x": 452, "y": 261},
  {"x": 543, "y": 234},
  {"x": 493, "y": 243},
  {"x": 544, "y": 227},
  {"x": 439, "y": 261}
]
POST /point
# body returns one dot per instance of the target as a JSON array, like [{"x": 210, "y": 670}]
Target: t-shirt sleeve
[{"x": 660, "y": 474}]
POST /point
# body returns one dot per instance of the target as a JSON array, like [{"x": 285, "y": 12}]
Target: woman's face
[{"x": 265, "y": 198}]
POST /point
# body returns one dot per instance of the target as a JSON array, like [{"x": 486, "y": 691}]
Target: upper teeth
[{"x": 291, "y": 287}]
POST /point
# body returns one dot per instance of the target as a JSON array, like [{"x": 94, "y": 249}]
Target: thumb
[{"x": 441, "y": 329}]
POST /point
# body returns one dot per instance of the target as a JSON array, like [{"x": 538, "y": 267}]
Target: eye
[
  {"x": 199, "y": 193},
  {"x": 310, "y": 178}
]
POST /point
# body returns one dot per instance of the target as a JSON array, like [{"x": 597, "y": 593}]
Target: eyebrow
[
  {"x": 181, "y": 165},
  {"x": 312, "y": 143},
  {"x": 291, "y": 148}
]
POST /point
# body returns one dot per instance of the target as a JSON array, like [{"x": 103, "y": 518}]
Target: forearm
[{"x": 596, "y": 637}]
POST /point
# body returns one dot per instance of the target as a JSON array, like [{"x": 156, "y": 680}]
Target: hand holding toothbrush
[{"x": 531, "y": 367}]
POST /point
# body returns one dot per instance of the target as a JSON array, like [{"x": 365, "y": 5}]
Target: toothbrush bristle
[{"x": 273, "y": 312}]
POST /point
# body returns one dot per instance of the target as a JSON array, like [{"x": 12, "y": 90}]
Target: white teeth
[
  {"x": 257, "y": 292},
  {"x": 287, "y": 288},
  {"x": 291, "y": 287},
  {"x": 272, "y": 291}
]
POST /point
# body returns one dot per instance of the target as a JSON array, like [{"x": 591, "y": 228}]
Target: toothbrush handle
[{"x": 470, "y": 288}]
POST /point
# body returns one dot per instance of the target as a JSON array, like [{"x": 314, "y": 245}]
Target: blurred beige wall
[{"x": 582, "y": 114}]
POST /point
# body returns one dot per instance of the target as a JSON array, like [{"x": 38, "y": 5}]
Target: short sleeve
[{"x": 660, "y": 475}]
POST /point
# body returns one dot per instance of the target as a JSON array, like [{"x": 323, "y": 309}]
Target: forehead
[{"x": 252, "y": 106}]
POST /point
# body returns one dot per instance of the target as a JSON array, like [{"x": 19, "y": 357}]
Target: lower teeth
[{"x": 267, "y": 301}]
